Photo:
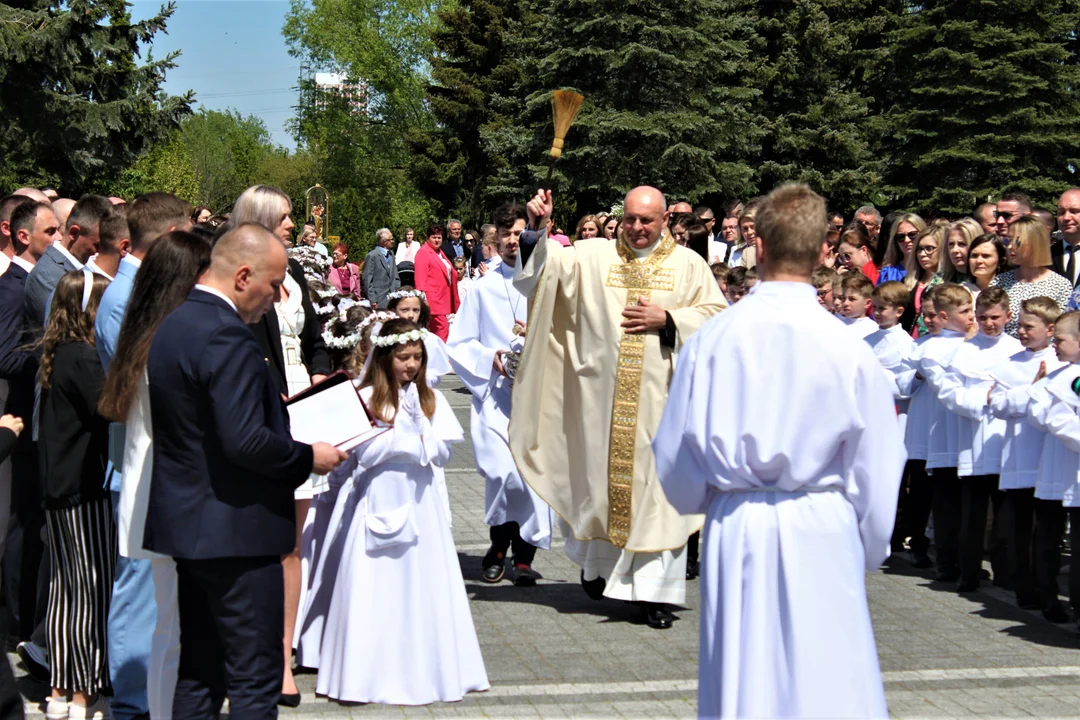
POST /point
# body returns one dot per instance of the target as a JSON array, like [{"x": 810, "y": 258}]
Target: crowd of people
[{"x": 168, "y": 544}]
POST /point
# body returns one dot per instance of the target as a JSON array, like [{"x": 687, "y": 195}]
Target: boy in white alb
[
  {"x": 800, "y": 486},
  {"x": 963, "y": 390},
  {"x": 893, "y": 347},
  {"x": 1053, "y": 408},
  {"x": 953, "y": 305},
  {"x": 1022, "y": 448},
  {"x": 920, "y": 488}
]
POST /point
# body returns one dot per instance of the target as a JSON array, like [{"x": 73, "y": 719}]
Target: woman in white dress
[
  {"x": 388, "y": 532},
  {"x": 169, "y": 271},
  {"x": 291, "y": 339}
]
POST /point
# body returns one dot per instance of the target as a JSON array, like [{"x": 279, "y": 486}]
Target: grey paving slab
[{"x": 553, "y": 653}]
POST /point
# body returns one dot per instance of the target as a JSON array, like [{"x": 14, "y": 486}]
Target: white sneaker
[
  {"x": 98, "y": 711},
  {"x": 57, "y": 709}
]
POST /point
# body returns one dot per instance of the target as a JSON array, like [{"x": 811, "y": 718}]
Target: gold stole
[{"x": 640, "y": 278}]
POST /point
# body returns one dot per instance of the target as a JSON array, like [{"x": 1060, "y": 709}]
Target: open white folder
[{"x": 331, "y": 412}]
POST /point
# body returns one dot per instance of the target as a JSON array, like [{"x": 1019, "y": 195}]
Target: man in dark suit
[
  {"x": 33, "y": 229},
  {"x": 1065, "y": 253},
  {"x": 380, "y": 269},
  {"x": 224, "y": 471}
]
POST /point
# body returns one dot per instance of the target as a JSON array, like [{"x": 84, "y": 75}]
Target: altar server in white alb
[
  {"x": 490, "y": 323},
  {"x": 798, "y": 472}
]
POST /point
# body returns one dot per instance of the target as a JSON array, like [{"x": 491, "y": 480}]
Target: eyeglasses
[
  {"x": 844, "y": 256},
  {"x": 908, "y": 235},
  {"x": 1004, "y": 215},
  {"x": 926, "y": 250}
]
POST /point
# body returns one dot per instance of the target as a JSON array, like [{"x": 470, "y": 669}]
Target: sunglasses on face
[
  {"x": 1004, "y": 215},
  {"x": 908, "y": 235},
  {"x": 846, "y": 257}
]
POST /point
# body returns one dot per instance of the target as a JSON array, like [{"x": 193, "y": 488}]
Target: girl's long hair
[
  {"x": 169, "y": 271},
  {"x": 68, "y": 322},
  {"x": 380, "y": 375}
]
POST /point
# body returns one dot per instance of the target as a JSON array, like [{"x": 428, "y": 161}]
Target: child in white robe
[
  {"x": 1053, "y": 409},
  {"x": 963, "y": 390},
  {"x": 855, "y": 290},
  {"x": 800, "y": 486},
  {"x": 398, "y": 629},
  {"x": 411, "y": 304},
  {"x": 1021, "y": 451}
]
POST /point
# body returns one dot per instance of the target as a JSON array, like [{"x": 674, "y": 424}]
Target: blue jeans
[{"x": 132, "y": 618}]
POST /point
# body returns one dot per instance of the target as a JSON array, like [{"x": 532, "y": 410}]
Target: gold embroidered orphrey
[{"x": 639, "y": 278}]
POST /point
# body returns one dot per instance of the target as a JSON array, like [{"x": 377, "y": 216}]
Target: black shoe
[
  {"x": 1055, "y": 613},
  {"x": 946, "y": 576},
  {"x": 920, "y": 560},
  {"x": 593, "y": 588},
  {"x": 494, "y": 564},
  {"x": 967, "y": 586},
  {"x": 693, "y": 569},
  {"x": 524, "y": 575},
  {"x": 657, "y": 616},
  {"x": 290, "y": 701},
  {"x": 35, "y": 660},
  {"x": 1029, "y": 601}
]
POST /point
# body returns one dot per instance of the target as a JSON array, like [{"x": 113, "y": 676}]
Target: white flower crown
[
  {"x": 327, "y": 309},
  {"x": 379, "y": 316},
  {"x": 402, "y": 294},
  {"x": 328, "y": 293},
  {"x": 345, "y": 342},
  {"x": 399, "y": 339}
]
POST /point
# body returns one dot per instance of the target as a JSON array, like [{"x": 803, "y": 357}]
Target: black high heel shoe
[{"x": 290, "y": 700}]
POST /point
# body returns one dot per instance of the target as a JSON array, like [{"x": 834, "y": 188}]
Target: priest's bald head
[
  {"x": 645, "y": 215},
  {"x": 791, "y": 231},
  {"x": 248, "y": 266}
]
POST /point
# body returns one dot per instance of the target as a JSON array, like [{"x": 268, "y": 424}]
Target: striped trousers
[{"x": 82, "y": 545}]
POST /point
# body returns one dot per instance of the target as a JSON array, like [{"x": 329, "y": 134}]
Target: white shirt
[
  {"x": 944, "y": 431},
  {"x": 5, "y": 263},
  {"x": 92, "y": 265},
  {"x": 406, "y": 251},
  {"x": 64, "y": 251},
  {"x": 215, "y": 291},
  {"x": 24, "y": 264},
  {"x": 863, "y": 327},
  {"x": 1052, "y": 410},
  {"x": 1023, "y": 444}
]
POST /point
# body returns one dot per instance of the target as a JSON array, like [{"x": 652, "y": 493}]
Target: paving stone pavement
[{"x": 551, "y": 652}]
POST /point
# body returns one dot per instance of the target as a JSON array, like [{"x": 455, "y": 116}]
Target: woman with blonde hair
[
  {"x": 266, "y": 206},
  {"x": 1029, "y": 249},
  {"x": 928, "y": 256},
  {"x": 588, "y": 227},
  {"x": 899, "y": 258},
  {"x": 958, "y": 239}
]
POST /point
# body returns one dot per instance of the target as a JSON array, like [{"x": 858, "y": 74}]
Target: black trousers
[
  {"x": 1049, "y": 530},
  {"x": 975, "y": 491},
  {"x": 11, "y": 702},
  {"x": 507, "y": 536},
  {"x": 232, "y": 624},
  {"x": 1074, "y": 567},
  {"x": 1017, "y": 524},
  {"x": 917, "y": 504},
  {"x": 24, "y": 551},
  {"x": 947, "y": 514}
]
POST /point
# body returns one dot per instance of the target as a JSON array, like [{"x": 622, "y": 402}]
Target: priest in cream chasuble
[{"x": 606, "y": 322}]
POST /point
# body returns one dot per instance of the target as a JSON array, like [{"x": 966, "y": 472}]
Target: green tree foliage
[
  {"x": 982, "y": 99},
  {"x": 667, "y": 100},
  {"x": 816, "y": 107},
  {"x": 471, "y": 64},
  {"x": 226, "y": 150},
  {"x": 77, "y": 106}
]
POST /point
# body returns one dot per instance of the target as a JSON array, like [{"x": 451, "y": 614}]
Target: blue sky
[{"x": 233, "y": 56}]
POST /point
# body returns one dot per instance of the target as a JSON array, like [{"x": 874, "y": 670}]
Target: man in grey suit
[
  {"x": 80, "y": 240},
  {"x": 380, "y": 269}
]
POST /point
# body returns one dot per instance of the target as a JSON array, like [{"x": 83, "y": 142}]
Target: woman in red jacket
[{"x": 436, "y": 277}]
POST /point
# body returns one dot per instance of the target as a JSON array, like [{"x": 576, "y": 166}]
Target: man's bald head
[
  {"x": 32, "y": 193},
  {"x": 248, "y": 264},
  {"x": 645, "y": 215},
  {"x": 681, "y": 207},
  {"x": 62, "y": 209}
]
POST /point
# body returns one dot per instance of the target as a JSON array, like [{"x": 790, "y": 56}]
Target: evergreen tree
[
  {"x": 815, "y": 106},
  {"x": 983, "y": 100},
  {"x": 77, "y": 107},
  {"x": 667, "y": 100},
  {"x": 472, "y": 63}
]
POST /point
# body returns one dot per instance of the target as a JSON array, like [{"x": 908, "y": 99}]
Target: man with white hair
[
  {"x": 380, "y": 276},
  {"x": 606, "y": 322},
  {"x": 869, "y": 217}
]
